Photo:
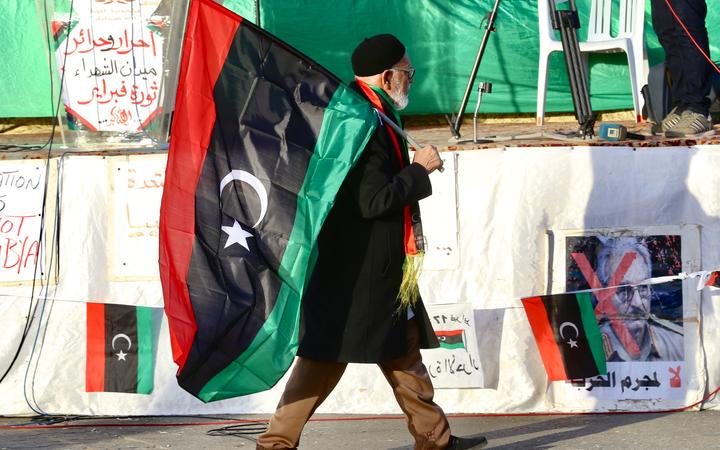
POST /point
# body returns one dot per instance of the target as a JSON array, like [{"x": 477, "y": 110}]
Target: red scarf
[{"x": 411, "y": 247}]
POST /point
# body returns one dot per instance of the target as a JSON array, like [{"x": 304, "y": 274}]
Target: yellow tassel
[{"x": 409, "y": 292}]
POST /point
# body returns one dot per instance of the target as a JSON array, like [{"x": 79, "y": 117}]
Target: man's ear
[{"x": 387, "y": 79}]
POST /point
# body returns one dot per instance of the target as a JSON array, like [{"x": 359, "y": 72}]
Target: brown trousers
[{"x": 312, "y": 381}]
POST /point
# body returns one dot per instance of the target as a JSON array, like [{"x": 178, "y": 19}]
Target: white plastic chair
[{"x": 629, "y": 39}]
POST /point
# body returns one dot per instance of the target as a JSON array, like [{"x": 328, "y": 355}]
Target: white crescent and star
[
  {"x": 121, "y": 355},
  {"x": 571, "y": 342},
  {"x": 236, "y": 234}
]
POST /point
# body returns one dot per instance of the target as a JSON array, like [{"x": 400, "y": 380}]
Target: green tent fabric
[
  {"x": 25, "y": 80},
  {"x": 442, "y": 39}
]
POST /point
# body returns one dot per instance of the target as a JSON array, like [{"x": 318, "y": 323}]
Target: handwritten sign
[
  {"x": 456, "y": 364},
  {"x": 440, "y": 218},
  {"x": 112, "y": 63},
  {"x": 21, "y": 196},
  {"x": 137, "y": 191}
]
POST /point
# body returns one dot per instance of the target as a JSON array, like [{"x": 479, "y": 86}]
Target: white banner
[{"x": 507, "y": 200}]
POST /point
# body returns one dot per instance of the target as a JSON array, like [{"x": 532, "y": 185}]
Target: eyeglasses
[
  {"x": 625, "y": 293},
  {"x": 410, "y": 71}
]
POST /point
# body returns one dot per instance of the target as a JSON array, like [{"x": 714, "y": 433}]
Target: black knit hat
[{"x": 376, "y": 54}]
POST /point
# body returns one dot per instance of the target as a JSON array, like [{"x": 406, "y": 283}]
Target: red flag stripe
[
  {"x": 410, "y": 241},
  {"x": 190, "y": 132},
  {"x": 712, "y": 279},
  {"x": 545, "y": 338},
  {"x": 95, "y": 361},
  {"x": 448, "y": 332}
]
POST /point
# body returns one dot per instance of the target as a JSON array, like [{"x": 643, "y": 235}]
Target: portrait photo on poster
[
  {"x": 648, "y": 325},
  {"x": 651, "y": 313}
]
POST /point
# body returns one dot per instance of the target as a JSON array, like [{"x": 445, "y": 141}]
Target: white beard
[{"x": 400, "y": 99}]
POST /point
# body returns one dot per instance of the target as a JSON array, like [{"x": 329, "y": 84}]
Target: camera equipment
[
  {"x": 617, "y": 132},
  {"x": 567, "y": 21}
]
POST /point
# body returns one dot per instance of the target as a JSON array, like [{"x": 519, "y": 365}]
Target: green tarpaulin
[{"x": 442, "y": 38}]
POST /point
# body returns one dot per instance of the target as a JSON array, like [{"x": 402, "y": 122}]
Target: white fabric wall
[{"x": 507, "y": 199}]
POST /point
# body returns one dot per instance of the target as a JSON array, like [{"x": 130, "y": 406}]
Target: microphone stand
[{"x": 456, "y": 120}]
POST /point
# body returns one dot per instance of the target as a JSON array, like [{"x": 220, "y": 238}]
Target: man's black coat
[{"x": 350, "y": 310}]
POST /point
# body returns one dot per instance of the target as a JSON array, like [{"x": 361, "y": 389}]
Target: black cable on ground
[{"x": 242, "y": 430}]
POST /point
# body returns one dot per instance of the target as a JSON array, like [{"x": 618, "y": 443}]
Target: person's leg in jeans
[
  {"x": 309, "y": 385},
  {"x": 689, "y": 70}
]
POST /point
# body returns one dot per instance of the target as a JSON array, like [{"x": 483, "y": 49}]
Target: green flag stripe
[
  {"x": 592, "y": 330},
  {"x": 455, "y": 345},
  {"x": 348, "y": 123},
  {"x": 145, "y": 350}
]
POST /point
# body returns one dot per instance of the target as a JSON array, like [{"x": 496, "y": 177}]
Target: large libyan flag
[{"x": 262, "y": 138}]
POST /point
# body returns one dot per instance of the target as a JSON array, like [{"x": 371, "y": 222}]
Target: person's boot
[{"x": 466, "y": 443}]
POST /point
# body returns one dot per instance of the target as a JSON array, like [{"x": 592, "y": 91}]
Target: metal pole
[
  {"x": 398, "y": 130},
  {"x": 482, "y": 87},
  {"x": 401, "y": 132}
]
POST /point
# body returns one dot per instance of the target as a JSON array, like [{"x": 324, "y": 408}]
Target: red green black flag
[
  {"x": 262, "y": 138},
  {"x": 567, "y": 334},
  {"x": 451, "y": 338},
  {"x": 713, "y": 279},
  {"x": 120, "y": 356}
]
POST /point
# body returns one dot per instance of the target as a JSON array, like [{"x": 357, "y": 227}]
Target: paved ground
[{"x": 687, "y": 430}]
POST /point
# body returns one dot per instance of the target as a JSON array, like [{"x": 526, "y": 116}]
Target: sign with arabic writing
[
  {"x": 635, "y": 382},
  {"x": 21, "y": 198},
  {"x": 456, "y": 364},
  {"x": 137, "y": 185},
  {"x": 110, "y": 54},
  {"x": 439, "y": 218},
  {"x": 647, "y": 329}
]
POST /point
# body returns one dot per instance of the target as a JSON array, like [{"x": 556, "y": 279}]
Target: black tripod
[{"x": 567, "y": 21}]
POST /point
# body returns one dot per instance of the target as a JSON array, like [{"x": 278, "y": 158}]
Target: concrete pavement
[{"x": 687, "y": 430}]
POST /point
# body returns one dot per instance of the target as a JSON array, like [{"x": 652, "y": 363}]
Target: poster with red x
[{"x": 648, "y": 325}]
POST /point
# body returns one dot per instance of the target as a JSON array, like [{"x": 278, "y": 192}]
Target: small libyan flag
[
  {"x": 119, "y": 348},
  {"x": 567, "y": 335},
  {"x": 451, "y": 338},
  {"x": 713, "y": 279}
]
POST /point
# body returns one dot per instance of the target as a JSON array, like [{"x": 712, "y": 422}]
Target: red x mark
[{"x": 605, "y": 305}]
